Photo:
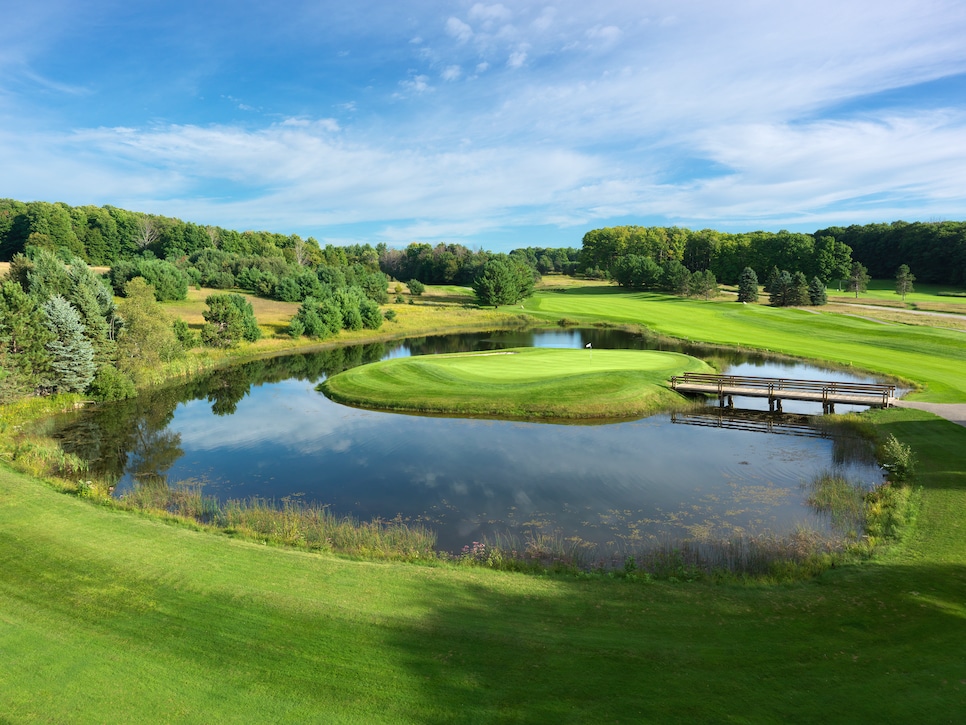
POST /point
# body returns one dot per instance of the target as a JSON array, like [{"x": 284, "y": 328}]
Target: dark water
[{"x": 261, "y": 429}]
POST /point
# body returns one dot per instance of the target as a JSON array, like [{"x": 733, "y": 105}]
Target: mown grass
[
  {"x": 932, "y": 358},
  {"x": 883, "y": 291},
  {"x": 519, "y": 383},
  {"x": 111, "y": 616},
  {"x": 106, "y": 615}
]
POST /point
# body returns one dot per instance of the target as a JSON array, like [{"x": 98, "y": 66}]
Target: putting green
[{"x": 519, "y": 383}]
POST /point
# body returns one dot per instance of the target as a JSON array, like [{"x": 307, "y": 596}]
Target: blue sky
[{"x": 491, "y": 125}]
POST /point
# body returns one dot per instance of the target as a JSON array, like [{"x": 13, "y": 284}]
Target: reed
[{"x": 287, "y": 523}]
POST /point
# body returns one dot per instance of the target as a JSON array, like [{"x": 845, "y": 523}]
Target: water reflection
[{"x": 260, "y": 429}]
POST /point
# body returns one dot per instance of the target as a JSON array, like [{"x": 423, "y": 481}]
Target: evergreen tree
[
  {"x": 24, "y": 329},
  {"x": 72, "y": 354},
  {"x": 799, "y": 291},
  {"x": 703, "y": 284},
  {"x": 773, "y": 281},
  {"x": 675, "y": 277},
  {"x": 496, "y": 284},
  {"x": 904, "y": 280},
  {"x": 816, "y": 292},
  {"x": 858, "y": 280},
  {"x": 781, "y": 290},
  {"x": 229, "y": 320},
  {"x": 748, "y": 286}
]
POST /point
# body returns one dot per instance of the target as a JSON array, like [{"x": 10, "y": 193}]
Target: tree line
[{"x": 935, "y": 250}]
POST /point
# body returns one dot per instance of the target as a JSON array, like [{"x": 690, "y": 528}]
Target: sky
[{"x": 491, "y": 125}]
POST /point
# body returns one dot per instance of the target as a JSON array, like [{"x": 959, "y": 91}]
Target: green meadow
[
  {"x": 108, "y": 615},
  {"x": 519, "y": 383}
]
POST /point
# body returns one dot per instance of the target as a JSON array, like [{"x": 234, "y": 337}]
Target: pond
[{"x": 262, "y": 430}]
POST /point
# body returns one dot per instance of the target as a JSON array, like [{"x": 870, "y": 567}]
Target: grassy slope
[
  {"x": 103, "y": 612},
  {"x": 518, "y": 383},
  {"x": 932, "y": 357}
]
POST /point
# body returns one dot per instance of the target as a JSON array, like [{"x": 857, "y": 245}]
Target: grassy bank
[
  {"x": 109, "y": 615},
  {"x": 932, "y": 358},
  {"x": 520, "y": 383}
]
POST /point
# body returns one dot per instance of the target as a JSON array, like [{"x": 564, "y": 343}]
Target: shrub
[
  {"x": 898, "y": 459},
  {"x": 186, "y": 336},
  {"x": 111, "y": 384}
]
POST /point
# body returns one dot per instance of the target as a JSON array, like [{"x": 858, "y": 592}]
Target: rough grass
[{"x": 519, "y": 383}]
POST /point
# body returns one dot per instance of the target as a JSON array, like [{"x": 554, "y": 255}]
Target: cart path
[{"x": 954, "y": 412}]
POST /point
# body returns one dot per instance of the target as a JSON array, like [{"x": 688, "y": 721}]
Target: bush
[
  {"x": 185, "y": 335},
  {"x": 416, "y": 287},
  {"x": 898, "y": 459},
  {"x": 111, "y": 384},
  {"x": 230, "y": 319}
]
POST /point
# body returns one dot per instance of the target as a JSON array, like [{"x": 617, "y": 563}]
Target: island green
[{"x": 520, "y": 383}]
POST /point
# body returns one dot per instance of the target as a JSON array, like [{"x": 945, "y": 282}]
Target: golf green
[{"x": 542, "y": 383}]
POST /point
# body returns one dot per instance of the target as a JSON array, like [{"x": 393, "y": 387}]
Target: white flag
[{"x": 588, "y": 345}]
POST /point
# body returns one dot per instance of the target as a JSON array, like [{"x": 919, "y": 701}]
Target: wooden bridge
[{"x": 875, "y": 395}]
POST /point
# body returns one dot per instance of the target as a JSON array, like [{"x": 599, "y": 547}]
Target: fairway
[
  {"x": 519, "y": 383},
  {"x": 932, "y": 358}
]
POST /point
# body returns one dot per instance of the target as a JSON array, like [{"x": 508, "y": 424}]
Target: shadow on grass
[{"x": 301, "y": 637}]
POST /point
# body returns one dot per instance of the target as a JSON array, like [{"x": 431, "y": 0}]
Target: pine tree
[
  {"x": 773, "y": 281},
  {"x": 748, "y": 286},
  {"x": 72, "y": 355},
  {"x": 230, "y": 319},
  {"x": 904, "y": 280},
  {"x": 496, "y": 284},
  {"x": 799, "y": 291},
  {"x": 816, "y": 292},
  {"x": 24, "y": 329},
  {"x": 781, "y": 290},
  {"x": 858, "y": 279}
]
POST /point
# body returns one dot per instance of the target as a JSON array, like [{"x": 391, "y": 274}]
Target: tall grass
[{"x": 288, "y": 523}]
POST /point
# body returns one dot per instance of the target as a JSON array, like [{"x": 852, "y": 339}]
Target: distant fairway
[
  {"x": 519, "y": 383},
  {"x": 934, "y": 358}
]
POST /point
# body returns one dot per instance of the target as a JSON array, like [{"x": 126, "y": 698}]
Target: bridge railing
[{"x": 726, "y": 384}]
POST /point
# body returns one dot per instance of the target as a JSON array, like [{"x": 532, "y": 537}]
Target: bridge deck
[{"x": 778, "y": 389}]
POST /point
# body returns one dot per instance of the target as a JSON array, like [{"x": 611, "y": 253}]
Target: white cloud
[
  {"x": 517, "y": 58},
  {"x": 482, "y": 67},
  {"x": 606, "y": 35},
  {"x": 459, "y": 30},
  {"x": 451, "y": 73},
  {"x": 497, "y": 12},
  {"x": 417, "y": 84},
  {"x": 546, "y": 18}
]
